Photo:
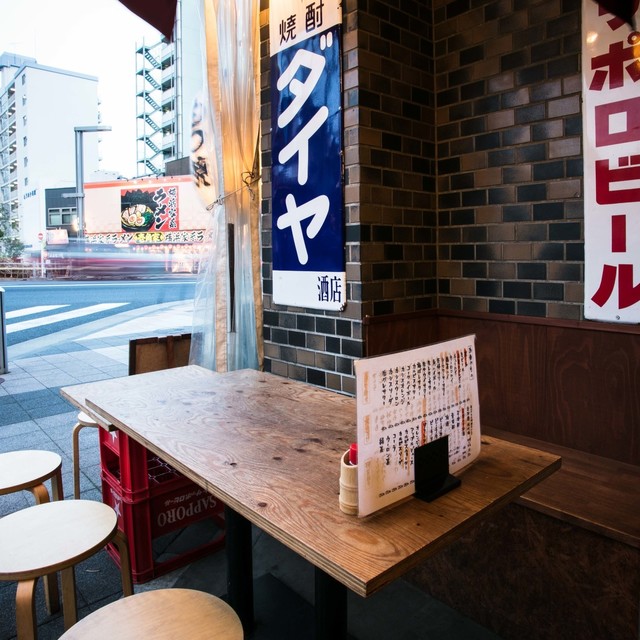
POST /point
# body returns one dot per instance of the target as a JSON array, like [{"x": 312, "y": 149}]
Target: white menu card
[{"x": 405, "y": 400}]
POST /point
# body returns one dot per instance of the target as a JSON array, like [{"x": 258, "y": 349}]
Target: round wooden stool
[
  {"x": 84, "y": 420},
  {"x": 29, "y": 470},
  {"x": 54, "y": 536},
  {"x": 163, "y": 614}
]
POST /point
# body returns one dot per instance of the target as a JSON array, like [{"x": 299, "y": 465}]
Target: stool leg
[
  {"x": 51, "y": 594},
  {"x": 120, "y": 541},
  {"x": 40, "y": 493},
  {"x": 26, "y": 624},
  {"x": 69, "y": 603},
  {"x": 57, "y": 492},
  {"x": 76, "y": 459}
]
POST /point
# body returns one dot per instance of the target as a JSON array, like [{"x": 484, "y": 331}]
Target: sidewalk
[{"x": 33, "y": 415}]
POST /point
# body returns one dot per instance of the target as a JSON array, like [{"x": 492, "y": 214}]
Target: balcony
[{"x": 168, "y": 141}]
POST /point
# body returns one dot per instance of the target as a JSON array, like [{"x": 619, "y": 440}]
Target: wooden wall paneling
[
  {"x": 398, "y": 332},
  {"x": 594, "y": 391},
  {"x": 525, "y": 575},
  {"x": 510, "y": 371}
]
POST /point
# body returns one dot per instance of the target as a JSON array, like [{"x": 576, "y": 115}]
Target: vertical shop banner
[
  {"x": 611, "y": 134},
  {"x": 306, "y": 135}
]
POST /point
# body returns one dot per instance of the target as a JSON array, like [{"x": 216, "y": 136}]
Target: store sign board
[
  {"x": 611, "y": 135},
  {"x": 306, "y": 135}
]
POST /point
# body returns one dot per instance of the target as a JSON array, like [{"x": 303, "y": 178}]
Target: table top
[{"x": 270, "y": 448}]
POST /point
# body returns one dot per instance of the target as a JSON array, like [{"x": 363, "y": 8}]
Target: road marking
[
  {"x": 29, "y": 311},
  {"x": 67, "y": 315}
]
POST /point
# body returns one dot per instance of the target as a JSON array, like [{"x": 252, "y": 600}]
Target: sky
[{"x": 93, "y": 37}]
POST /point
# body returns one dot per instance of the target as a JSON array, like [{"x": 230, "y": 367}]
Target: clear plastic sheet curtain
[{"x": 227, "y": 321}]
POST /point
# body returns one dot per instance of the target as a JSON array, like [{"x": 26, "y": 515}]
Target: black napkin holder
[{"x": 432, "y": 477}]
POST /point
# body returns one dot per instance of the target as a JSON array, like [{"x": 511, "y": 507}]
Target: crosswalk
[{"x": 14, "y": 321}]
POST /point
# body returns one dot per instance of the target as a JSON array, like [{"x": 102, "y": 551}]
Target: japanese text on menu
[{"x": 405, "y": 400}]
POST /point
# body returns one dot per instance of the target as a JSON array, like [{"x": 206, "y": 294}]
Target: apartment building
[
  {"x": 39, "y": 108},
  {"x": 169, "y": 76}
]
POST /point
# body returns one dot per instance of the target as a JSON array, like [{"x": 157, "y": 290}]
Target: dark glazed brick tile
[
  {"x": 471, "y": 55},
  {"x": 517, "y": 290},
  {"x": 549, "y": 170},
  {"x": 532, "y": 153},
  {"x": 574, "y": 251},
  {"x": 534, "y": 309},
  {"x": 502, "y": 306},
  {"x": 316, "y": 377},
  {"x": 532, "y": 271},
  {"x": 488, "y": 288},
  {"x": 501, "y": 158},
  {"x": 532, "y": 192},
  {"x": 487, "y": 141},
  {"x": 530, "y": 75},
  {"x": 516, "y": 213},
  {"x": 502, "y": 195},
  {"x": 531, "y": 113},
  {"x": 565, "y": 231},
  {"x": 473, "y": 126},
  {"x": 548, "y": 291},
  {"x": 549, "y": 251},
  {"x": 548, "y": 211}
]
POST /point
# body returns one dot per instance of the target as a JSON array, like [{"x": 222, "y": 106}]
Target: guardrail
[{"x": 10, "y": 269}]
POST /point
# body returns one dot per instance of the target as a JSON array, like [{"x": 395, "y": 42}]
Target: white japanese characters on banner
[
  {"x": 611, "y": 134},
  {"x": 306, "y": 137},
  {"x": 405, "y": 400}
]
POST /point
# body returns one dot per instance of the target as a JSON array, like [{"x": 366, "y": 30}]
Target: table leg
[
  {"x": 238, "y": 545},
  {"x": 331, "y": 607}
]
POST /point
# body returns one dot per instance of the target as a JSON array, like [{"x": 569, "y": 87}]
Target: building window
[
  {"x": 61, "y": 216},
  {"x": 26, "y": 181},
  {"x": 25, "y": 161},
  {"x": 24, "y": 120},
  {"x": 24, "y": 141},
  {"x": 24, "y": 100},
  {"x": 24, "y": 79}
]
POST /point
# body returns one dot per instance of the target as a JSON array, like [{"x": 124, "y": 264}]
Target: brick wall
[
  {"x": 510, "y": 210},
  {"x": 463, "y": 167}
]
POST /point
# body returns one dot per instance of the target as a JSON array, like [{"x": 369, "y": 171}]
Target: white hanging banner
[
  {"x": 611, "y": 138},
  {"x": 306, "y": 137}
]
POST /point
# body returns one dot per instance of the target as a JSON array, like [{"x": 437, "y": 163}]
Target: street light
[{"x": 79, "y": 194}]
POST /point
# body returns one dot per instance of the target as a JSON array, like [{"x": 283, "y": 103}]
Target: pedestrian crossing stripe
[
  {"x": 60, "y": 317},
  {"x": 10, "y": 315}
]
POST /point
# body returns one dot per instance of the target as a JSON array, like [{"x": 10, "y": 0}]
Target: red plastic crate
[
  {"x": 148, "y": 522},
  {"x": 127, "y": 462}
]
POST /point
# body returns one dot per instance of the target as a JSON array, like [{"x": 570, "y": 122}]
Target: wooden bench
[
  {"x": 569, "y": 388},
  {"x": 596, "y": 493}
]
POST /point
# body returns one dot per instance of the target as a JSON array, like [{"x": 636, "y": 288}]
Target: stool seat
[
  {"x": 163, "y": 614},
  {"x": 86, "y": 420},
  {"x": 28, "y": 470},
  {"x": 83, "y": 420},
  {"x": 50, "y": 537}
]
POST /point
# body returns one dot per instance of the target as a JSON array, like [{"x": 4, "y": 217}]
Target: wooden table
[{"x": 270, "y": 448}]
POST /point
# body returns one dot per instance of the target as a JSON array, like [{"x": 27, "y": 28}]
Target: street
[{"x": 35, "y": 309}]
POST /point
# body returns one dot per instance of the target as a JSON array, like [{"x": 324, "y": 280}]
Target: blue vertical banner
[{"x": 306, "y": 136}]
